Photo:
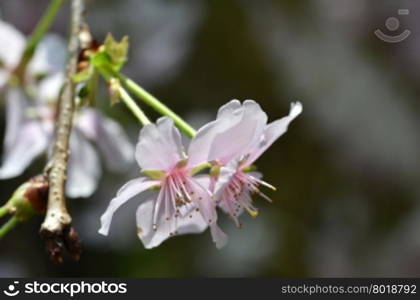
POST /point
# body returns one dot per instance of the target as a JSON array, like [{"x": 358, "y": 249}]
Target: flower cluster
[
  {"x": 177, "y": 196},
  {"x": 31, "y": 114}
]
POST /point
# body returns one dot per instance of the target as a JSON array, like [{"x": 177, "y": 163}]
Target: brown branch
[{"x": 56, "y": 229}]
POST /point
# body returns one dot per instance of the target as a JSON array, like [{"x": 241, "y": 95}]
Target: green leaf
[
  {"x": 101, "y": 59},
  {"x": 83, "y": 92},
  {"x": 92, "y": 88},
  {"x": 117, "y": 51},
  {"x": 87, "y": 93},
  {"x": 83, "y": 75}
]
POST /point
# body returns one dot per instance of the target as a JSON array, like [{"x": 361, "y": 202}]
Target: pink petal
[
  {"x": 206, "y": 181},
  {"x": 15, "y": 112},
  {"x": 274, "y": 130},
  {"x": 160, "y": 146},
  {"x": 87, "y": 121},
  {"x": 115, "y": 145},
  {"x": 203, "y": 198},
  {"x": 218, "y": 236},
  {"x": 225, "y": 177},
  {"x": 225, "y": 206},
  {"x": 49, "y": 57},
  {"x": 188, "y": 224},
  {"x": 226, "y": 110},
  {"x": 201, "y": 145},
  {"x": 30, "y": 142},
  {"x": 84, "y": 167},
  {"x": 4, "y": 77},
  {"x": 128, "y": 191},
  {"x": 207, "y": 206},
  {"x": 109, "y": 136},
  {"x": 235, "y": 141},
  {"x": 12, "y": 43},
  {"x": 49, "y": 88}
]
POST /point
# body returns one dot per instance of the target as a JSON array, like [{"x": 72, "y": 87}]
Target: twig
[
  {"x": 28, "y": 199},
  {"x": 56, "y": 228},
  {"x": 9, "y": 225},
  {"x": 149, "y": 99},
  {"x": 152, "y": 101},
  {"x": 3, "y": 211}
]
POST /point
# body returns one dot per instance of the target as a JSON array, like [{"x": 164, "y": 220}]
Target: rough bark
[{"x": 56, "y": 229}]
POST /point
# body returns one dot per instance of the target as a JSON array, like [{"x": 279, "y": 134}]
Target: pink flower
[
  {"x": 177, "y": 202},
  {"x": 233, "y": 142}
]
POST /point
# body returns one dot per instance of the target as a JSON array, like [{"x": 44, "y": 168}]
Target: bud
[
  {"x": 85, "y": 37},
  {"x": 114, "y": 90},
  {"x": 29, "y": 199}
]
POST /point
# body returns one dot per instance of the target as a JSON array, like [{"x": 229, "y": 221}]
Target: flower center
[
  {"x": 237, "y": 195},
  {"x": 177, "y": 198}
]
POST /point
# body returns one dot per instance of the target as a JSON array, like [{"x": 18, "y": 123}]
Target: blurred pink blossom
[{"x": 30, "y": 122}]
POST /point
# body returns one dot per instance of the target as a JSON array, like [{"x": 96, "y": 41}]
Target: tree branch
[{"x": 56, "y": 229}]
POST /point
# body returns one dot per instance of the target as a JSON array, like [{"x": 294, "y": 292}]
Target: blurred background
[{"x": 347, "y": 171}]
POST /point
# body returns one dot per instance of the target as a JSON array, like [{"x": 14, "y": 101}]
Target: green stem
[
  {"x": 132, "y": 105},
  {"x": 108, "y": 73},
  {"x": 38, "y": 33},
  {"x": 9, "y": 225},
  {"x": 3, "y": 211},
  {"x": 151, "y": 100}
]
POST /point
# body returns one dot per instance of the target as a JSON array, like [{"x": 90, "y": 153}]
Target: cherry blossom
[
  {"x": 173, "y": 201},
  {"x": 233, "y": 142}
]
